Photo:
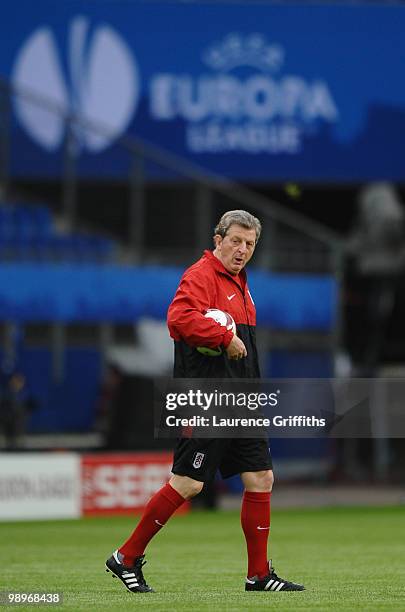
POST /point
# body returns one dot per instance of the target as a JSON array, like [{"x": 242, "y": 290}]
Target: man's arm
[{"x": 185, "y": 317}]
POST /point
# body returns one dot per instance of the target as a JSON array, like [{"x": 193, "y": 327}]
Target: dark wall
[{"x": 132, "y": 422}]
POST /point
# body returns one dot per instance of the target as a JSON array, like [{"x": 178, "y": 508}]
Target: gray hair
[{"x": 238, "y": 217}]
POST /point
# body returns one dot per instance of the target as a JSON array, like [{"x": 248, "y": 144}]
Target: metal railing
[
  {"x": 140, "y": 153},
  {"x": 290, "y": 241}
]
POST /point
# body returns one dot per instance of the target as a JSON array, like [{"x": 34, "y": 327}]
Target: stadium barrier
[
  {"x": 68, "y": 293},
  {"x": 70, "y": 485}
]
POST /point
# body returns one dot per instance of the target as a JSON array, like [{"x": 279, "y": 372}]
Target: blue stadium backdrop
[{"x": 257, "y": 92}]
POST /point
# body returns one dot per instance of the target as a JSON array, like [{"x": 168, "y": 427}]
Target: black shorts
[{"x": 200, "y": 458}]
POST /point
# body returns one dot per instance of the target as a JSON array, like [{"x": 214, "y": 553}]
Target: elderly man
[{"x": 217, "y": 280}]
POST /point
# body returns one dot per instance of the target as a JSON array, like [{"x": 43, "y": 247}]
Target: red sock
[
  {"x": 157, "y": 511},
  {"x": 255, "y": 520}
]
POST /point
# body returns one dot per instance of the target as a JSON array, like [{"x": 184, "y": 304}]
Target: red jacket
[{"x": 207, "y": 284}]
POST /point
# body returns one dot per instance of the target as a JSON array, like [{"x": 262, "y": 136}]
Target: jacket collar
[{"x": 219, "y": 267}]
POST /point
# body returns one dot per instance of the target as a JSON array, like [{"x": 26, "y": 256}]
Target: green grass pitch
[{"x": 349, "y": 559}]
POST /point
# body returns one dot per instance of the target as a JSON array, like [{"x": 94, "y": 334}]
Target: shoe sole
[
  {"x": 114, "y": 575},
  {"x": 270, "y": 591}
]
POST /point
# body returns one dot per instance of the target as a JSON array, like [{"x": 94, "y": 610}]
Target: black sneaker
[
  {"x": 131, "y": 577},
  {"x": 271, "y": 582}
]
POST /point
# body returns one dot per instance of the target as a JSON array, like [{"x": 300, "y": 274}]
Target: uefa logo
[
  {"x": 101, "y": 83},
  {"x": 246, "y": 102}
]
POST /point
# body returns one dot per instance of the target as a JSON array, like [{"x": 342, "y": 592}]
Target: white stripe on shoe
[
  {"x": 274, "y": 586},
  {"x": 280, "y": 586},
  {"x": 268, "y": 585}
]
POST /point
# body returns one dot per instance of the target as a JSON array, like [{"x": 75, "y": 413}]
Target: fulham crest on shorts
[{"x": 198, "y": 460}]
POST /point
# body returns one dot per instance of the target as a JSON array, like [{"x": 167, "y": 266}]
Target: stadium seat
[{"x": 27, "y": 233}]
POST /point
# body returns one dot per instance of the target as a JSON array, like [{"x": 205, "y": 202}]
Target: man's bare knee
[
  {"x": 258, "y": 481},
  {"x": 186, "y": 486}
]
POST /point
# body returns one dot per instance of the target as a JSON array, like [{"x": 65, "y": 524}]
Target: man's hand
[{"x": 236, "y": 349}]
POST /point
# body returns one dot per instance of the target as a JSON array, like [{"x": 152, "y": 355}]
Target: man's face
[{"x": 236, "y": 248}]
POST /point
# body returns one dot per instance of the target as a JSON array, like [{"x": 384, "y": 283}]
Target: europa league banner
[
  {"x": 285, "y": 408},
  {"x": 255, "y": 91}
]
